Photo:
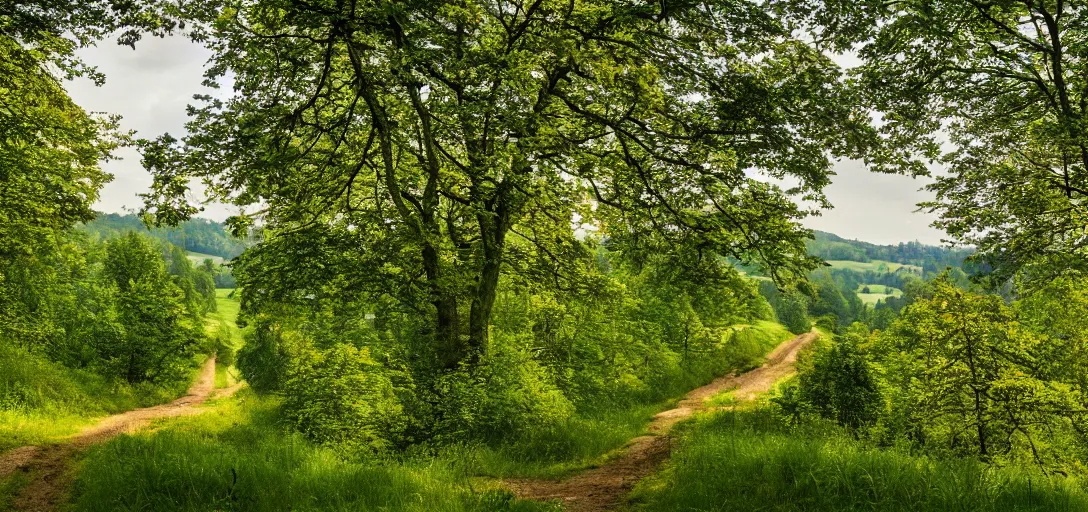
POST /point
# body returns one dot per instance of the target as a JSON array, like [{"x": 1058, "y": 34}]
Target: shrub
[
  {"x": 508, "y": 394},
  {"x": 224, "y": 351},
  {"x": 840, "y": 385},
  {"x": 342, "y": 397},
  {"x": 265, "y": 357}
]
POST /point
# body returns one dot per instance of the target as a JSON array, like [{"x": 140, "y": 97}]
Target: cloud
[
  {"x": 877, "y": 208},
  {"x": 150, "y": 88}
]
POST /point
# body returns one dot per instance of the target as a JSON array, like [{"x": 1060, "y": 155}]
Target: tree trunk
[
  {"x": 447, "y": 326},
  {"x": 493, "y": 237}
]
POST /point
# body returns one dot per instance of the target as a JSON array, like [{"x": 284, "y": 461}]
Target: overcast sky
[{"x": 151, "y": 85}]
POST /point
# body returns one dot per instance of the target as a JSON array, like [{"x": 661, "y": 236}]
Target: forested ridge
[
  {"x": 547, "y": 255},
  {"x": 198, "y": 235}
]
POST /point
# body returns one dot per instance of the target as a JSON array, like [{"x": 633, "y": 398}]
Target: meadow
[
  {"x": 873, "y": 265},
  {"x": 877, "y": 292}
]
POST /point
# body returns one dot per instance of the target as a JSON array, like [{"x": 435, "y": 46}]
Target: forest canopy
[{"x": 435, "y": 147}]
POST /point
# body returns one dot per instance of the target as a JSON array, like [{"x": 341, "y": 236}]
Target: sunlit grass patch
[
  {"x": 42, "y": 401},
  {"x": 236, "y": 457},
  {"x": 748, "y": 460}
]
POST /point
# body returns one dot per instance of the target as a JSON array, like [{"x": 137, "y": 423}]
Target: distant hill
[
  {"x": 930, "y": 258},
  {"x": 202, "y": 236}
]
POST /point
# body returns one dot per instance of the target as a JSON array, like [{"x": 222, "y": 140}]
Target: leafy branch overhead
[
  {"x": 432, "y": 140},
  {"x": 995, "y": 92}
]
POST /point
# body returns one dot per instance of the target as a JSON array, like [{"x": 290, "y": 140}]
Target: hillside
[
  {"x": 204, "y": 237},
  {"x": 930, "y": 258}
]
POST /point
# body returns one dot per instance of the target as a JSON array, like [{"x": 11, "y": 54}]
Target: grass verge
[
  {"x": 235, "y": 457},
  {"x": 749, "y": 460},
  {"x": 41, "y": 401}
]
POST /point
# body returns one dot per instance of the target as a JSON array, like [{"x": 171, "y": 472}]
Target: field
[
  {"x": 874, "y": 265},
  {"x": 877, "y": 292},
  {"x": 198, "y": 258},
  {"x": 224, "y": 319}
]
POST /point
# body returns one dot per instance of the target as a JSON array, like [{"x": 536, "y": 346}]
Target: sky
[{"x": 151, "y": 86}]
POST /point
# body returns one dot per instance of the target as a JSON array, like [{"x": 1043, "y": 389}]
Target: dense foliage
[
  {"x": 428, "y": 151},
  {"x": 963, "y": 374},
  {"x": 1004, "y": 82},
  {"x": 642, "y": 336},
  {"x": 113, "y": 307}
]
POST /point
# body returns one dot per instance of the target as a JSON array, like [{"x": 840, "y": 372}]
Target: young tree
[
  {"x": 159, "y": 337},
  {"x": 967, "y": 376},
  {"x": 840, "y": 384},
  {"x": 395, "y": 148}
]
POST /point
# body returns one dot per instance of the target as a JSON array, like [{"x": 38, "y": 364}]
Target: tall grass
[
  {"x": 747, "y": 460},
  {"x": 236, "y": 457},
  {"x": 41, "y": 400},
  {"x": 582, "y": 441},
  {"x": 599, "y": 430}
]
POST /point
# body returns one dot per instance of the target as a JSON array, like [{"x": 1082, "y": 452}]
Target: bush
[
  {"x": 342, "y": 397},
  {"x": 265, "y": 358},
  {"x": 840, "y": 385},
  {"x": 222, "y": 346},
  {"x": 508, "y": 394}
]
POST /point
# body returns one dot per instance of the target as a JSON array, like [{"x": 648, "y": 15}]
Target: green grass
[
  {"x": 186, "y": 463},
  {"x": 873, "y": 265},
  {"x": 877, "y": 292},
  {"x": 198, "y": 258},
  {"x": 41, "y": 401},
  {"x": 236, "y": 457},
  {"x": 582, "y": 442},
  {"x": 748, "y": 460},
  {"x": 226, "y": 313},
  {"x": 9, "y": 488},
  {"x": 225, "y": 317}
]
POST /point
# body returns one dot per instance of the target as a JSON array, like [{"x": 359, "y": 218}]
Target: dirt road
[
  {"x": 604, "y": 487},
  {"x": 48, "y": 466}
]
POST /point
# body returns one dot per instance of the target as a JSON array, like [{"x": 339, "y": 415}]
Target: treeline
[
  {"x": 829, "y": 246},
  {"x": 829, "y": 299},
  {"x": 130, "y": 307},
  {"x": 197, "y": 235},
  {"x": 963, "y": 373}
]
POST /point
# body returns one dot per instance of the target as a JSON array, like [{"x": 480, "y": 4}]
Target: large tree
[
  {"x": 995, "y": 92},
  {"x": 403, "y": 150}
]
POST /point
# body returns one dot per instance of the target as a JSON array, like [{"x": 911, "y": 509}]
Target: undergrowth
[
  {"x": 41, "y": 400},
  {"x": 237, "y": 457},
  {"x": 749, "y": 460}
]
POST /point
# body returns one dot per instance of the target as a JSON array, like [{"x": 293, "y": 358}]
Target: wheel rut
[{"x": 603, "y": 488}]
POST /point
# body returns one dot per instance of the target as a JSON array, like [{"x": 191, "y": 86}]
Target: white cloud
[{"x": 877, "y": 208}]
